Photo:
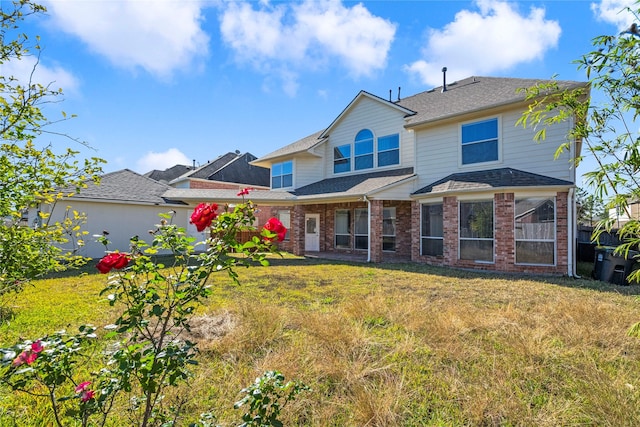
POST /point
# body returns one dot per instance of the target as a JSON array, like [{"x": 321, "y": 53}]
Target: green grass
[{"x": 388, "y": 344}]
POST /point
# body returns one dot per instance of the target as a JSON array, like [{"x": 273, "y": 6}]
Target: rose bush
[{"x": 146, "y": 353}]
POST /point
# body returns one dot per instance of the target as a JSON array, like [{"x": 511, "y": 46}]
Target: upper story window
[
  {"x": 342, "y": 158},
  {"x": 282, "y": 174},
  {"x": 480, "y": 142},
  {"x": 363, "y": 150},
  {"x": 389, "y": 150},
  {"x": 367, "y": 152}
]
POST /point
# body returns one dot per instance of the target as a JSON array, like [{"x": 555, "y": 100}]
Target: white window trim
[
  {"x": 293, "y": 175},
  {"x": 555, "y": 232},
  {"x": 375, "y": 168},
  {"x": 440, "y": 202},
  {"x": 394, "y": 235},
  {"x": 500, "y": 143},
  {"x": 493, "y": 252}
]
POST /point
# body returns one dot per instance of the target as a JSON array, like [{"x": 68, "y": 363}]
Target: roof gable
[
  {"x": 299, "y": 146},
  {"x": 358, "y": 98}
]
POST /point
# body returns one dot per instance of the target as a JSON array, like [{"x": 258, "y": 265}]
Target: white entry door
[{"x": 312, "y": 232}]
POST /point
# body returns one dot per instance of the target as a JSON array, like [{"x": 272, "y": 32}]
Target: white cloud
[
  {"x": 162, "y": 160},
  {"x": 159, "y": 37},
  {"x": 289, "y": 37},
  {"x": 55, "y": 77},
  {"x": 615, "y": 12},
  {"x": 496, "y": 38}
]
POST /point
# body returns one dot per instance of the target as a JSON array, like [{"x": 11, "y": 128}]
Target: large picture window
[
  {"x": 476, "y": 231},
  {"x": 361, "y": 228},
  {"x": 343, "y": 229},
  {"x": 431, "y": 230},
  {"x": 389, "y": 150},
  {"x": 480, "y": 142},
  {"x": 342, "y": 158},
  {"x": 535, "y": 224},
  {"x": 363, "y": 150},
  {"x": 389, "y": 229},
  {"x": 282, "y": 175}
]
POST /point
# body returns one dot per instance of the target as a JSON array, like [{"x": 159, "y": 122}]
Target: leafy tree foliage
[
  {"x": 31, "y": 174},
  {"x": 590, "y": 209},
  {"x": 607, "y": 128}
]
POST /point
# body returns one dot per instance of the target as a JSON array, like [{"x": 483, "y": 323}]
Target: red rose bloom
[
  {"x": 203, "y": 215},
  {"x": 113, "y": 260},
  {"x": 275, "y": 226}
]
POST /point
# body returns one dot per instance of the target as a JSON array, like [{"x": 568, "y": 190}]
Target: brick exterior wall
[
  {"x": 504, "y": 238},
  {"x": 327, "y": 214}
]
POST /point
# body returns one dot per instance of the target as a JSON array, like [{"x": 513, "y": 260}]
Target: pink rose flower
[
  {"x": 87, "y": 395},
  {"x": 80, "y": 388}
]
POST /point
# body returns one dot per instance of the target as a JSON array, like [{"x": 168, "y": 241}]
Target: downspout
[
  {"x": 571, "y": 213},
  {"x": 368, "y": 227}
]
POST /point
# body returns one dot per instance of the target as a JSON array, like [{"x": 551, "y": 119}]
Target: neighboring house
[
  {"x": 125, "y": 204},
  {"x": 229, "y": 171},
  {"x": 623, "y": 216},
  {"x": 169, "y": 174}
]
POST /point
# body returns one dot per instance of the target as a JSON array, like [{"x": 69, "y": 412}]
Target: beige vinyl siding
[
  {"x": 438, "y": 151},
  {"x": 398, "y": 192},
  {"x": 382, "y": 120},
  {"x": 520, "y": 151},
  {"x": 307, "y": 170}
]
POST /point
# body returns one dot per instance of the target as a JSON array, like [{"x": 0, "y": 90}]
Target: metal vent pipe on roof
[{"x": 444, "y": 79}]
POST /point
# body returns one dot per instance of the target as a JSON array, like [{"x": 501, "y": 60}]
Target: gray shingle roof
[
  {"x": 461, "y": 97},
  {"x": 489, "y": 179},
  {"x": 168, "y": 174},
  {"x": 295, "y": 147},
  {"x": 234, "y": 168},
  {"x": 361, "y": 184},
  {"x": 469, "y": 95},
  {"x": 127, "y": 186},
  {"x": 211, "y": 167}
]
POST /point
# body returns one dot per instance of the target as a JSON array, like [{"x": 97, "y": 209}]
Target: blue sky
[{"x": 155, "y": 83}]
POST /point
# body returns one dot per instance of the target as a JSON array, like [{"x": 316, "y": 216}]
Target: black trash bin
[{"x": 613, "y": 268}]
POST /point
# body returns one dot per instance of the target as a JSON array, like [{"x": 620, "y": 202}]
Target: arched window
[{"x": 363, "y": 150}]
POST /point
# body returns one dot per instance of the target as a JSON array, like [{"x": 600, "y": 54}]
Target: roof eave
[{"x": 510, "y": 189}]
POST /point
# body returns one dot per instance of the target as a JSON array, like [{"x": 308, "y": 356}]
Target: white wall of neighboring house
[{"x": 121, "y": 220}]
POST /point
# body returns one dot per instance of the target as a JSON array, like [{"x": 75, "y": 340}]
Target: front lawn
[{"x": 385, "y": 345}]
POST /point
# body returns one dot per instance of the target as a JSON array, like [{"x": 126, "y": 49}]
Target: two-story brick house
[{"x": 444, "y": 177}]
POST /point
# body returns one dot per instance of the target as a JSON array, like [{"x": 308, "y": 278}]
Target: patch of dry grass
[{"x": 410, "y": 345}]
